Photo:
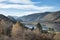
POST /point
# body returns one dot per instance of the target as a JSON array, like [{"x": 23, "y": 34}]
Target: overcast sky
[{"x": 26, "y": 7}]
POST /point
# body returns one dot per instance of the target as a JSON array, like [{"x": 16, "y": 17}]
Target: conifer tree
[{"x": 39, "y": 26}]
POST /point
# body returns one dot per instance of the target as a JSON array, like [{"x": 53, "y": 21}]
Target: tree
[
  {"x": 51, "y": 29},
  {"x": 39, "y": 26}
]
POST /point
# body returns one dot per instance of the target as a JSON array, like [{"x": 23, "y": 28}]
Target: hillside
[
  {"x": 53, "y": 16},
  {"x": 46, "y": 16},
  {"x": 49, "y": 19},
  {"x": 33, "y": 17},
  {"x": 15, "y": 18},
  {"x": 5, "y": 24},
  {"x": 11, "y": 18}
]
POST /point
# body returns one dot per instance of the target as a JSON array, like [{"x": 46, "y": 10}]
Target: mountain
[
  {"x": 13, "y": 19},
  {"x": 19, "y": 20},
  {"x": 53, "y": 20},
  {"x": 49, "y": 19},
  {"x": 5, "y": 18},
  {"x": 53, "y": 16},
  {"x": 33, "y": 17},
  {"x": 46, "y": 16}
]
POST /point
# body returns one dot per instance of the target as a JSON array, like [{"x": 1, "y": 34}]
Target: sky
[{"x": 26, "y": 7}]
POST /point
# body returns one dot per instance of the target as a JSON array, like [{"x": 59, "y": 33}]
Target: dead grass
[
  {"x": 19, "y": 33},
  {"x": 57, "y": 36}
]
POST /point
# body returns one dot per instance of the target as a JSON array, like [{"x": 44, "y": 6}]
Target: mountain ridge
[{"x": 46, "y": 16}]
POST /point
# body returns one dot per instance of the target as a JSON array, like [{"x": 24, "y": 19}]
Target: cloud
[
  {"x": 29, "y": 2},
  {"x": 2, "y": 0},
  {"x": 22, "y": 1},
  {"x": 31, "y": 8},
  {"x": 25, "y": 7},
  {"x": 35, "y": 9}
]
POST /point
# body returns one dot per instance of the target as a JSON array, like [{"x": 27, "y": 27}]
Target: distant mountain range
[
  {"x": 47, "y": 16},
  {"x": 32, "y": 17}
]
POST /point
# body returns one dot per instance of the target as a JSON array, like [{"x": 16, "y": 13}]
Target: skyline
[{"x": 26, "y": 7}]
